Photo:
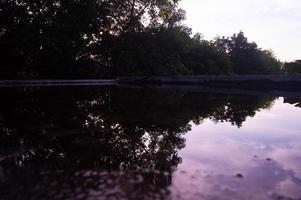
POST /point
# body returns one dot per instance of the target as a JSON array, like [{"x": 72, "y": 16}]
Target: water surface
[{"x": 115, "y": 143}]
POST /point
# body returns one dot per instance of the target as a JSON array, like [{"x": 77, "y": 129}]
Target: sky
[{"x": 272, "y": 24}]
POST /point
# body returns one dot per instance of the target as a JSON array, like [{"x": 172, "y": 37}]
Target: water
[{"x": 97, "y": 142}]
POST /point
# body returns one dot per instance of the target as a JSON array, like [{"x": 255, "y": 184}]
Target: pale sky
[{"x": 272, "y": 24}]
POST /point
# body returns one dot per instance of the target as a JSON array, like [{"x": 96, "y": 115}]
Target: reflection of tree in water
[
  {"x": 236, "y": 110},
  {"x": 176, "y": 110},
  {"x": 64, "y": 131}
]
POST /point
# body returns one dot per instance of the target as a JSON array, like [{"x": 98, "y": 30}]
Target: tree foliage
[
  {"x": 97, "y": 38},
  {"x": 293, "y": 67},
  {"x": 246, "y": 57},
  {"x": 204, "y": 58},
  {"x": 48, "y": 38}
]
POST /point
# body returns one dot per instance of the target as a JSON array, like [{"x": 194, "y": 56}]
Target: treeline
[
  {"x": 100, "y": 38},
  {"x": 172, "y": 52}
]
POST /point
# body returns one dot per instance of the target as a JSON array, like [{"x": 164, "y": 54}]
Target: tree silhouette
[
  {"x": 293, "y": 67},
  {"x": 58, "y": 38},
  {"x": 246, "y": 57}
]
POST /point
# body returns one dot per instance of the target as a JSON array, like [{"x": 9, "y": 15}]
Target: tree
[
  {"x": 271, "y": 64},
  {"x": 157, "y": 51},
  {"x": 293, "y": 67},
  {"x": 246, "y": 57},
  {"x": 134, "y": 15},
  {"x": 204, "y": 58},
  {"x": 44, "y": 37},
  {"x": 53, "y": 38}
]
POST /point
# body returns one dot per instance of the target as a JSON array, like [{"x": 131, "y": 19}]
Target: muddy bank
[
  {"x": 34, "y": 83},
  {"x": 276, "y": 85},
  {"x": 280, "y": 82},
  {"x": 218, "y": 90}
]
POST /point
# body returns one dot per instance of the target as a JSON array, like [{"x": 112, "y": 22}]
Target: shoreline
[
  {"x": 272, "y": 85},
  {"x": 56, "y": 82},
  {"x": 289, "y": 81},
  {"x": 198, "y": 79}
]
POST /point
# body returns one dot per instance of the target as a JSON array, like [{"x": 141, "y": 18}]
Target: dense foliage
[
  {"x": 58, "y": 38},
  {"x": 246, "y": 57},
  {"x": 166, "y": 52},
  {"x": 293, "y": 67},
  {"x": 100, "y": 38}
]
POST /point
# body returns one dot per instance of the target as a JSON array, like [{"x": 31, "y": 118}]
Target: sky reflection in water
[
  {"x": 263, "y": 157},
  {"x": 104, "y": 142}
]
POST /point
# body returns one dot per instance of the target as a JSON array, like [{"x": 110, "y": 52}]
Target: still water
[{"x": 115, "y": 143}]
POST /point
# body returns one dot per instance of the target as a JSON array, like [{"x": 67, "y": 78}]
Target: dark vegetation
[
  {"x": 293, "y": 67},
  {"x": 97, "y": 39}
]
